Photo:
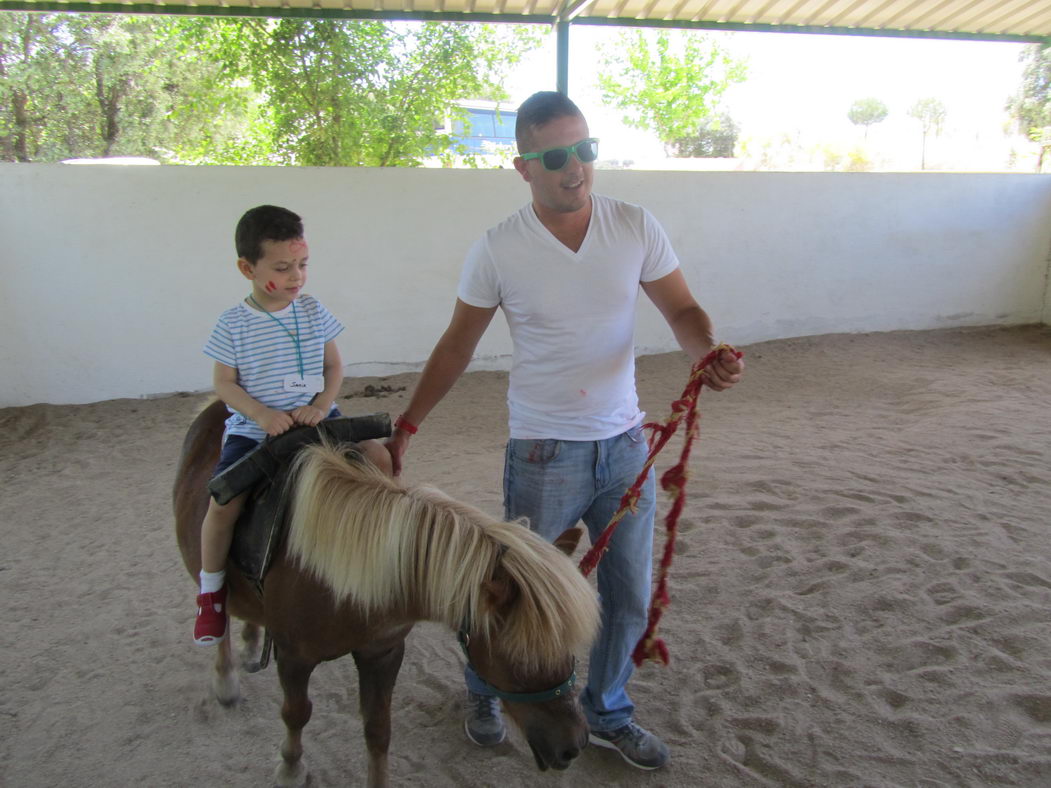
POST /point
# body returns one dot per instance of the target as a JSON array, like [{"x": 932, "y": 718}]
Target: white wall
[
  {"x": 112, "y": 277},
  {"x": 1047, "y": 290}
]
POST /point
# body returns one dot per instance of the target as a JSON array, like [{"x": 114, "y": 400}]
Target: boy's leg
[{"x": 217, "y": 533}]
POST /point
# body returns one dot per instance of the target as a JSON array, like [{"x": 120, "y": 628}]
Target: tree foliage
[
  {"x": 667, "y": 83},
  {"x": 867, "y": 112},
  {"x": 99, "y": 85},
  {"x": 366, "y": 93},
  {"x": 1031, "y": 106},
  {"x": 241, "y": 91},
  {"x": 715, "y": 138},
  {"x": 930, "y": 113}
]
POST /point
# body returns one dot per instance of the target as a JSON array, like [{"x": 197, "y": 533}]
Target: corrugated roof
[{"x": 1017, "y": 20}]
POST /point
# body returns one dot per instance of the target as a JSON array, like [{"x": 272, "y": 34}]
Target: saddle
[{"x": 260, "y": 528}]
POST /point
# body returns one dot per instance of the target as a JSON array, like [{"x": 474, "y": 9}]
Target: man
[{"x": 566, "y": 269}]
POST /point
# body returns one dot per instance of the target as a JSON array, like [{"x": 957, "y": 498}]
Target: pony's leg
[
  {"x": 295, "y": 711},
  {"x": 225, "y": 683},
  {"x": 251, "y": 649},
  {"x": 376, "y": 676}
]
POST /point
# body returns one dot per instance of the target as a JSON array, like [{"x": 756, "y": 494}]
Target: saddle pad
[
  {"x": 261, "y": 526},
  {"x": 264, "y": 461}
]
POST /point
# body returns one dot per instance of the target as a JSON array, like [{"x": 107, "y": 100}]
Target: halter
[{"x": 519, "y": 697}]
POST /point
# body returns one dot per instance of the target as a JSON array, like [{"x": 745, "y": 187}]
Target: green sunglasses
[{"x": 554, "y": 159}]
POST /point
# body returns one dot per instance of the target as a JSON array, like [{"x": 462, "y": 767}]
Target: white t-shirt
[{"x": 571, "y": 316}]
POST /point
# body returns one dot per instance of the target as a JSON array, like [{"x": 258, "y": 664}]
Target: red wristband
[{"x": 402, "y": 423}]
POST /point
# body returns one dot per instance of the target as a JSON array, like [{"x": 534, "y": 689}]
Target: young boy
[{"x": 276, "y": 366}]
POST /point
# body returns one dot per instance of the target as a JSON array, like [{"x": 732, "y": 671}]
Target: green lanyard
[{"x": 294, "y": 337}]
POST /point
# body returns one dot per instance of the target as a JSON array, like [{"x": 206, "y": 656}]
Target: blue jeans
[{"x": 555, "y": 484}]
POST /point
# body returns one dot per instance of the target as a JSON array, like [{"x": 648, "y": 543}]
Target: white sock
[{"x": 212, "y": 581}]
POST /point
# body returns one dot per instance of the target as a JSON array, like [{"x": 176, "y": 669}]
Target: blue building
[{"x": 486, "y": 129}]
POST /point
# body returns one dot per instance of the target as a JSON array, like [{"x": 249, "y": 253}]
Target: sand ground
[{"x": 861, "y": 594}]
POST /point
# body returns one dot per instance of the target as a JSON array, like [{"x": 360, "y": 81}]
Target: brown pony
[{"x": 363, "y": 561}]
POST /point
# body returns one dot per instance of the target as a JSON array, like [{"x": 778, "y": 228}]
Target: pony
[{"x": 364, "y": 559}]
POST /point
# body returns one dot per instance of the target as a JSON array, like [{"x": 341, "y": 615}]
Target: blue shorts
[{"x": 237, "y": 446}]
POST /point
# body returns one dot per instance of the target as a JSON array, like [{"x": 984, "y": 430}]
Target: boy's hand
[
  {"x": 308, "y": 415},
  {"x": 275, "y": 422}
]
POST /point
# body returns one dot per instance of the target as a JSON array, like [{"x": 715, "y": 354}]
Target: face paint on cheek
[{"x": 270, "y": 287}]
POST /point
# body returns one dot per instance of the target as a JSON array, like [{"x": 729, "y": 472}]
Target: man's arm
[
  {"x": 690, "y": 324},
  {"x": 692, "y": 328},
  {"x": 448, "y": 360}
]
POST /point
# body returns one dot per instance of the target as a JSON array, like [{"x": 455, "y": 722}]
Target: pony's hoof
[
  {"x": 252, "y": 666},
  {"x": 227, "y": 689},
  {"x": 294, "y": 775},
  {"x": 256, "y": 652}
]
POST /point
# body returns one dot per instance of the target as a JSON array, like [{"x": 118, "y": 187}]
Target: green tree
[
  {"x": 667, "y": 84},
  {"x": 1031, "y": 106},
  {"x": 46, "y": 93},
  {"x": 104, "y": 85},
  {"x": 715, "y": 138},
  {"x": 224, "y": 91},
  {"x": 931, "y": 115},
  {"x": 366, "y": 93},
  {"x": 867, "y": 112}
]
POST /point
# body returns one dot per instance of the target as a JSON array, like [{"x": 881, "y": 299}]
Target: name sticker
[{"x": 311, "y": 384}]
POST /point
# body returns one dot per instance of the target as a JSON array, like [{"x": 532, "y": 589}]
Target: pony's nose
[{"x": 569, "y": 754}]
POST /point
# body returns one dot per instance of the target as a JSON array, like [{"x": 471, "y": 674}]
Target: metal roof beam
[
  {"x": 52, "y": 6},
  {"x": 571, "y": 10},
  {"x": 757, "y": 27},
  {"x": 49, "y": 6}
]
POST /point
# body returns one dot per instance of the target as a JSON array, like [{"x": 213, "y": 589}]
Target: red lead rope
[{"x": 674, "y": 481}]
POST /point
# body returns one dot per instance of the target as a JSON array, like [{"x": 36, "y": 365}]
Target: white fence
[{"x": 113, "y": 276}]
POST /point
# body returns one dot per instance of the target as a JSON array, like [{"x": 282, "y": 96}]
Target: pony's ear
[
  {"x": 501, "y": 591},
  {"x": 568, "y": 539}
]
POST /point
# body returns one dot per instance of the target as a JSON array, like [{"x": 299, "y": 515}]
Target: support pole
[{"x": 562, "y": 72}]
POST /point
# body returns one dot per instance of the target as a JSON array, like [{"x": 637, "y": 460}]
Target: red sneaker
[{"x": 210, "y": 627}]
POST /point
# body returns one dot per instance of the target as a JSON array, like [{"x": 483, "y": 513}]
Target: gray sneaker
[
  {"x": 484, "y": 723},
  {"x": 635, "y": 744}
]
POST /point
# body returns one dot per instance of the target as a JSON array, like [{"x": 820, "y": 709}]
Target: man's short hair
[
  {"x": 541, "y": 108},
  {"x": 265, "y": 223}
]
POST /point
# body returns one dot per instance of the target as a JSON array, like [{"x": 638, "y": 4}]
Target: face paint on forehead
[{"x": 297, "y": 246}]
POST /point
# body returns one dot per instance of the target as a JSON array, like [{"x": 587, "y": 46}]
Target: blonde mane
[{"x": 383, "y": 546}]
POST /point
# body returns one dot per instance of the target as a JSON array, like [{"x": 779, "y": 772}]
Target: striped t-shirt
[{"x": 263, "y": 352}]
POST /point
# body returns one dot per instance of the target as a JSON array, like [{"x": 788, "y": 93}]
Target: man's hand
[
  {"x": 308, "y": 415},
  {"x": 275, "y": 422},
  {"x": 724, "y": 371},
  {"x": 397, "y": 444}
]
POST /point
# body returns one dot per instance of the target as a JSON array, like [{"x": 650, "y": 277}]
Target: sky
[{"x": 804, "y": 85}]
